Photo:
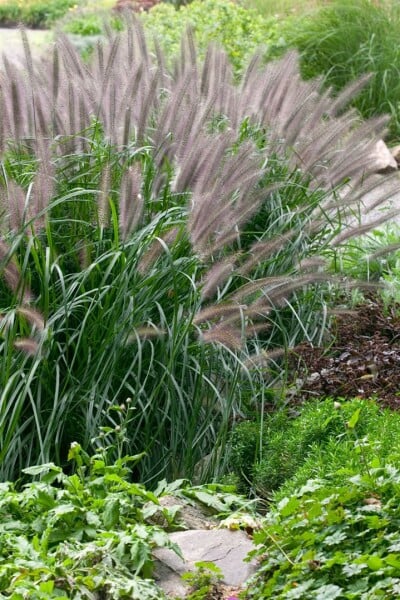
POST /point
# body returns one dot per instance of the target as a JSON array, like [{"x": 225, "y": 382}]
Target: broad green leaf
[
  {"x": 310, "y": 486},
  {"x": 209, "y": 500},
  {"x": 395, "y": 547},
  {"x": 167, "y": 488},
  {"x": 353, "y": 569},
  {"x": 315, "y": 510},
  {"x": 339, "y": 558},
  {"x": 111, "y": 512},
  {"x": 393, "y": 560},
  {"x": 375, "y": 563},
  {"x": 46, "y": 586},
  {"x": 352, "y": 422},
  {"x": 335, "y": 538},
  {"x": 42, "y": 469},
  {"x": 64, "y": 509},
  {"x": 328, "y": 592},
  {"x": 299, "y": 591},
  {"x": 140, "y": 554},
  {"x": 92, "y": 518},
  {"x": 160, "y": 538},
  {"x": 290, "y": 507},
  {"x": 46, "y": 498}
]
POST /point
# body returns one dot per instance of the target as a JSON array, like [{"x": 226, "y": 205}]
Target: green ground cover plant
[
  {"x": 345, "y": 40},
  {"x": 363, "y": 258},
  {"x": 333, "y": 539},
  {"x": 33, "y": 13},
  {"x": 160, "y": 243},
  {"x": 203, "y": 581},
  {"x": 291, "y": 447},
  {"x": 90, "y": 533}
]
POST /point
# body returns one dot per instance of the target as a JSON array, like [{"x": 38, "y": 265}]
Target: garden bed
[{"x": 363, "y": 360}]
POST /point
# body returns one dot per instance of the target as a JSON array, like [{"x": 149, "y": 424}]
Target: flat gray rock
[{"x": 226, "y": 549}]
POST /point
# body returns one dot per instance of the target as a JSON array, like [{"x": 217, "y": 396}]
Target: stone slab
[{"x": 226, "y": 549}]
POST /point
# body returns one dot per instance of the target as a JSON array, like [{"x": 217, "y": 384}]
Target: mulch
[{"x": 363, "y": 359}]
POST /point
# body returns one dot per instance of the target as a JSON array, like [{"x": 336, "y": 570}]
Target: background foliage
[
  {"x": 344, "y": 40},
  {"x": 33, "y": 13}
]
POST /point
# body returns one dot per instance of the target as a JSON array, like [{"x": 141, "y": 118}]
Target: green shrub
[
  {"x": 283, "y": 8},
  {"x": 34, "y": 13},
  {"x": 238, "y": 30},
  {"x": 292, "y": 450},
  {"x": 83, "y": 24},
  {"x": 333, "y": 540},
  {"x": 345, "y": 40},
  {"x": 118, "y": 328},
  {"x": 89, "y": 21},
  {"x": 375, "y": 435}
]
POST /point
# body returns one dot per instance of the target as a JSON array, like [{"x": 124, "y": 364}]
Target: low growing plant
[
  {"x": 283, "y": 8},
  {"x": 290, "y": 447},
  {"x": 367, "y": 258},
  {"x": 90, "y": 20},
  {"x": 89, "y": 533},
  {"x": 238, "y": 30},
  {"x": 78, "y": 535},
  {"x": 203, "y": 581},
  {"x": 333, "y": 540}
]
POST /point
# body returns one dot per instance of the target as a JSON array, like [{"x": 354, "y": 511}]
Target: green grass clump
[
  {"x": 333, "y": 539},
  {"x": 288, "y": 450},
  {"x": 283, "y": 8},
  {"x": 344, "y": 40},
  {"x": 88, "y": 21},
  {"x": 160, "y": 247},
  {"x": 34, "y": 13},
  {"x": 115, "y": 328},
  {"x": 367, "y": 257},
  {"x": 103, "y": 328}
]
